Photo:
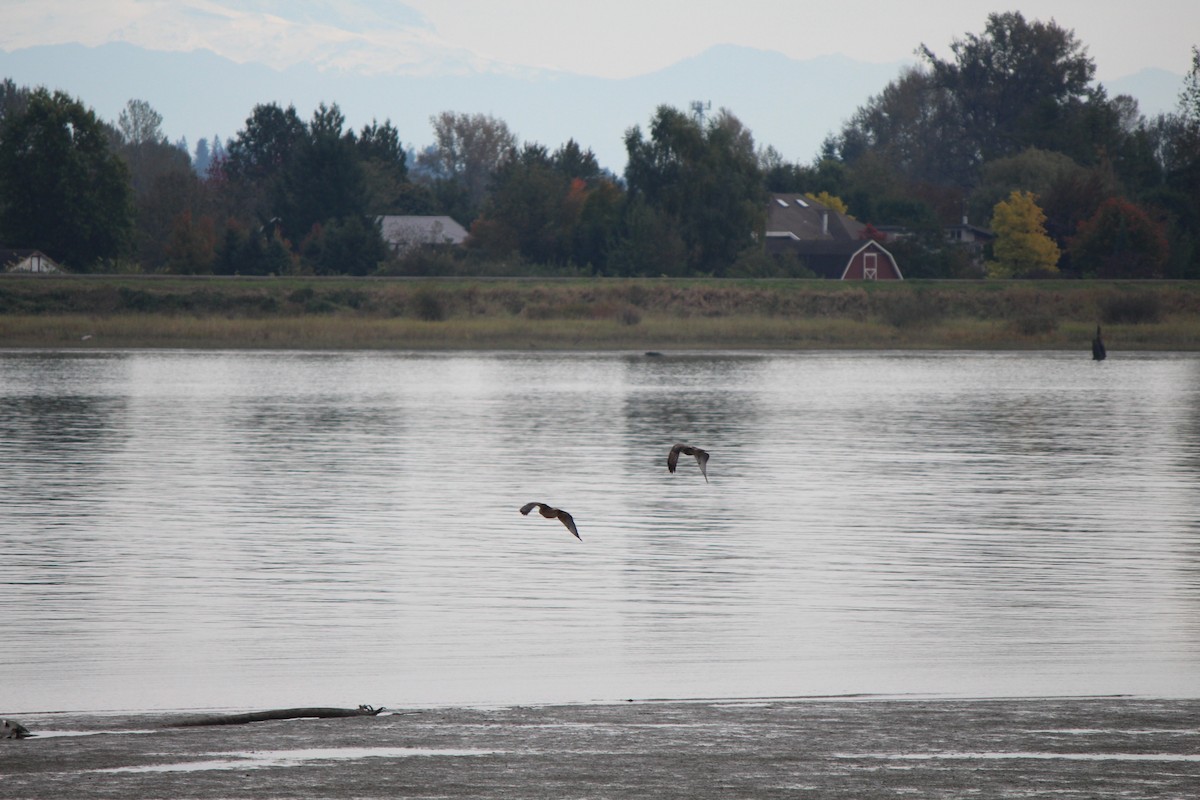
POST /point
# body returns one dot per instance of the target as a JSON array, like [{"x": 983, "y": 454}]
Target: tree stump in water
[{"x": 11, "y": 729}]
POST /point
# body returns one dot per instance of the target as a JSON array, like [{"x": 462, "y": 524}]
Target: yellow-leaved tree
[
  {"x": 830, "y": 201},
  {"x": 1022, "y": 248}
]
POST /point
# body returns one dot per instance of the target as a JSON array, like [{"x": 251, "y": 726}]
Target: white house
[{"x": 27, "y": 261}]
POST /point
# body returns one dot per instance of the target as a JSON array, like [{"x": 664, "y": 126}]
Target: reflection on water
[{"x": 218, "y": 529}]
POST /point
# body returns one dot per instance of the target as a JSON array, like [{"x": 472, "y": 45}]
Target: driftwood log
[{"x": 281, "y": 713}]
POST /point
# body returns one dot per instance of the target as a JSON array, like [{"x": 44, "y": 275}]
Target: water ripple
[{"x": 223, "y": 529}]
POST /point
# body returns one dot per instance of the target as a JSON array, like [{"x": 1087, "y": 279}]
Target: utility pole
[{"x": 699, "y": 107}]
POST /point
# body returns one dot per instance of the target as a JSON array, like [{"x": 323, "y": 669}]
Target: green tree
[
  {"x": 573, "y": 161},
  {"x": 1183, "y": 173},
  {"x": 467, "y": 150},
  {"x": 1189, "y": 95},
  {"x": 13, "y": 99},
  {"x": 191, "y": 246},
  {"x": 1032, "y": 170},
  {"x": 914, "y": 127},
  {"x": 172, "y": 195},
  {"x": 649, "y": 243},
  {"x": 346, "y": 246},
  {"x": 599, "y": 225},
  {"x": 526, "y": 211},
  {"x": 702, "y": 180},
  {"x": 1068, "y": 193},
  {"x": 257, "y": 251},
  {"x": 536, "y": 204},
  {"x": 1014, "y": 84},
  {"x": 1022, "y": 248},
  {"x": 923, "y": 250},
  {"x": 1120, "y": 241},
  {"x": 323, "y": 180},
  {"x": 1173, "y": 143},
  {"x": 62, "y": 189},
  {"x": 265, "y": 147},
  {"x": 164, "y": 183},
  {"x": 140, "y": 124},
  {"x": 384, "y": 165},
  {"x": 252, "y": 174},
  {"x": 145, "y": 148},
  {"x": 780, "y": 175}
]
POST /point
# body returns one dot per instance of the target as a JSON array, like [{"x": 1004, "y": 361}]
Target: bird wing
[
  {"x": 673, "y": 457},
  {"x": 702, "y": 460},
  {"x": 569, "y": 521},
  {"x": 525, "y": 509}
]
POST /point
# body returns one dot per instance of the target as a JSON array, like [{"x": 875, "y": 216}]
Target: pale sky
[
  {"x": 607, "y": 38},
  {"x": 618, "y": 38}
]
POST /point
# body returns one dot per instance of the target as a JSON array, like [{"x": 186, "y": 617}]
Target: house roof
[
  {"x": 797, "y": 217},
  {"x": 415, "y": 230}
]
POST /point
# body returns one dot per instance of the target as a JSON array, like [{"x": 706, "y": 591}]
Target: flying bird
[
  {"x": 11, "y": 729},
  {"x": 688, "y": 450},
  {"x": 553, "y": 513},
  {"x": 1098, "y": 351}
]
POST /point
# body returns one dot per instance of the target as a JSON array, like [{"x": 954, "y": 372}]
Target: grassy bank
[{"x": 315, "y": 313}]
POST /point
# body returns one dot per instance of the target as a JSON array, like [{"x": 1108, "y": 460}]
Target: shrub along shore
[{"x": 591, "y": 314}]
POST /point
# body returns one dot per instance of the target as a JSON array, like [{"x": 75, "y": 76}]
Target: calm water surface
[{"x": 231, "y": 529}]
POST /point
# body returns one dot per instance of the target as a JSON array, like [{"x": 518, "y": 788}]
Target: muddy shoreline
[{"x": 835, "y": 748}]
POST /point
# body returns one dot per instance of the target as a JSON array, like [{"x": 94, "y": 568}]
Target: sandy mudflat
[{"x": 840, "y": 748}]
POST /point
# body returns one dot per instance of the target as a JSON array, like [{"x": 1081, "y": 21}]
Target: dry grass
[
  {"x": 592, "y": 314},
  {"x": 516, "y": 332}
]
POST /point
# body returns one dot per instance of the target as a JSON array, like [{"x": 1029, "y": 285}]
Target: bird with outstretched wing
[
  {"x": 549, "y": 512},
  {"x": 688, "y": 450}
]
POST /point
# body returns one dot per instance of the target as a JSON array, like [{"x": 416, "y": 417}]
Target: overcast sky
[
  {"x": 616, "y": 38},
  {"x": 609, "y": 38}
]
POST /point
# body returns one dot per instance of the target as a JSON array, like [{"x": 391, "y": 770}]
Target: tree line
[{"x": 1008, "y": 132}]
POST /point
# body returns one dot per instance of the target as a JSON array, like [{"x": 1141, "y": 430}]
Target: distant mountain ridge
[{"x": 787, "y": 103}]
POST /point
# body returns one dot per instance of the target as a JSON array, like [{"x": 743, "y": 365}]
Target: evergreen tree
[
  {"x": 258, "y": 160},
  {"x": 323, "y": 180},
  {"x": 202, "y": 157},
  {"x": 384, "y": 164}
]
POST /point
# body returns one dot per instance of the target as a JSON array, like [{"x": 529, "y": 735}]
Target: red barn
[{"x": 831, "y": 244}]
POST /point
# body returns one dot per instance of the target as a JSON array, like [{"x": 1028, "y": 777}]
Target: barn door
[{"x": 870, "y": 266}]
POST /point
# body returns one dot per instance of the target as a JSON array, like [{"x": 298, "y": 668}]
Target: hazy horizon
[
  {"x": 611, "y": 39},
  {"x": 588, "y": 73}
]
